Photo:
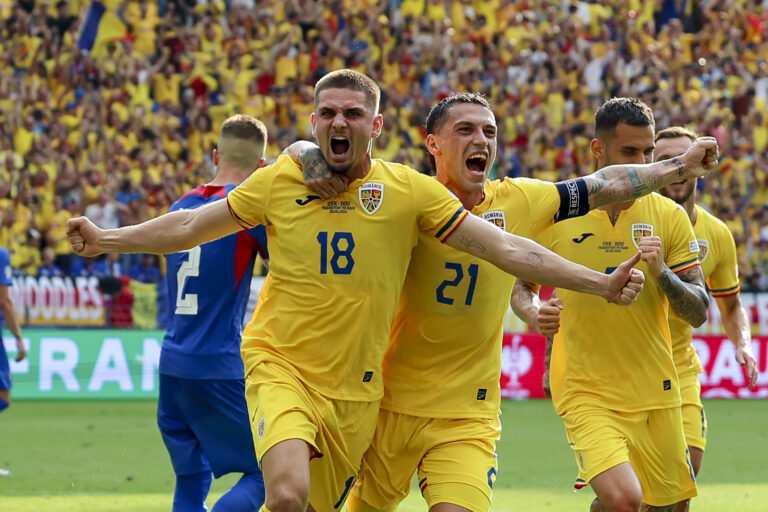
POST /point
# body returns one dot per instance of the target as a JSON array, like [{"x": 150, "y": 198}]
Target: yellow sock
[{"x": 263, "y": 509}]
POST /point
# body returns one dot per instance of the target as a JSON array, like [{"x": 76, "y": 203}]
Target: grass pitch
[{"x": 107, "y": 456}]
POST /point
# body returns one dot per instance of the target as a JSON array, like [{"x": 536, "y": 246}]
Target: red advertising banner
[{"x": 522, "y": 367}]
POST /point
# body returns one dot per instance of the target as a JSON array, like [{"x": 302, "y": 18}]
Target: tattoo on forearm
[
  {"x": 472, "y": 245},
  {"x": 687, "y": 294},
  {"x": 620, "y": 184},
  {"x": 534, "y": 259},
  {"x": 679, "y": 166},
  {"x": 313, "y": 164}
]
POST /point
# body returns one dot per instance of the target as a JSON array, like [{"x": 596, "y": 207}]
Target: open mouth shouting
[
  {"x": 340, "y": 145},
  {"x": 476, "y": 164}
]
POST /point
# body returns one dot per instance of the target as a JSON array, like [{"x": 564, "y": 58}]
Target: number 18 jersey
[{"x": 336, "y": 271}]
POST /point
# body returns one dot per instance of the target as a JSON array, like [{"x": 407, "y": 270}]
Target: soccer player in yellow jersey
[
  {"x": 313, "y": 387},
  {"x": 439, "y": 414},
  {"x": 612, "y": 378},
  {"x": 717, "y": 254}
]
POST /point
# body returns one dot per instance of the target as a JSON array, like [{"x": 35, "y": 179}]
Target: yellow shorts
[
  {"x": 281, "y": 407},
  {"x": 651, "y": 441},
  {"x": 694, "y": 418},
  {"x": 455, "y": 460}
]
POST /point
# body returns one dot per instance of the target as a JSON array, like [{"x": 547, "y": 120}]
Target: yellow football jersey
[
  {"x": 618, "y": 357},
  {"x": 445, "y": 349},
  {"x": 336, "y": 269},
  {"x": 718, "y": 264}
]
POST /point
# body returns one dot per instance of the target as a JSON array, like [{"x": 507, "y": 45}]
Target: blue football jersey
[
  {"x": 208, "y": 288},
  {"x": 5, "y": 274}
]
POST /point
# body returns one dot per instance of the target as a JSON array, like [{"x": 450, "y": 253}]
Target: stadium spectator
[
  {"x": 48, "y": 267},
  {"x": 146, "y": 271},
  {"x": 73, "y": 112}
]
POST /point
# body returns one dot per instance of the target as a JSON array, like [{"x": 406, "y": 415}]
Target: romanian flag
[{"x": 100, "y": 26}]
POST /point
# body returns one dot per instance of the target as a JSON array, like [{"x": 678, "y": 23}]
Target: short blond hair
[
  {"x": 674, "y": 132},
  {"x": 242, "y": 142},
  {"x": 350, "y": 79}
]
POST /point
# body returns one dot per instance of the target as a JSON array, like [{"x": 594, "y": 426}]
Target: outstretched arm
[
  {"x": 618, "y": 183},
  {"x": 543, "y": 317},
  {"x": 736, "y": 324},
  {"x": 530, "y": 261},
  {"x": 172, "y": 232}
]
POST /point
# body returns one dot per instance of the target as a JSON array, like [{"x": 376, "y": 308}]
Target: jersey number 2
[{"x": 186, "y": 303}]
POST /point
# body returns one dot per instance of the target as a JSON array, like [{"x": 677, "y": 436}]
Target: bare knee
[
  {"x": 620, "y": 500},
  {"x": 287, "y": 497}
]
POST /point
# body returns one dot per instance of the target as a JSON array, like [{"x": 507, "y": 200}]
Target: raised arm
[
  {"x": 530, "y": 261},
  {"x": 172, "y": 232},
  {"x": 685, "y": 290},
  {"x": 618, "y": 183},
  {"x": 736, "y": 324}
]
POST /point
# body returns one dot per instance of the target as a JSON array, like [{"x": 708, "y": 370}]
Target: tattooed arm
[
  {"x": 530, "y": 261},
  {"x": 318, "y": 177},
  {"x": 618, "y": 183},
  {"x": 686, "y": 291}
]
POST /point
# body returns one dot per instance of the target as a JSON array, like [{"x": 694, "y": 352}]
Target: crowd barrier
[{"x": 88, "y": 362}]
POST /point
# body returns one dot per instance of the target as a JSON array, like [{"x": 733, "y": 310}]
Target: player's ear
[
  {"x": 215, "y": 156},
  {"x": 313, "y": 122},
  {"x": 378, "y": 124},
  {"x": 432, "y": 145},
  {"x": 596, "y": 146}
]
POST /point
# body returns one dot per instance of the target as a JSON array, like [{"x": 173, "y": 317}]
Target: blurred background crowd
[{"x": 118, "y": 132}]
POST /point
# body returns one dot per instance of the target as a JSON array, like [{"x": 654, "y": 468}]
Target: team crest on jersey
[
  {"x": 260, "y": 428},
  {"x": 496, "y": 217},
  {"x": 371, "y": 195},
  {"x": 641, "y": 230},
  {"x": 703, "y": 249}
]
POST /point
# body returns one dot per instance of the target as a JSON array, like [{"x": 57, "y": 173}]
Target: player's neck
[
  {"x": 690, "y": 208},
  {"x": 226, "y": 176},
  {"x": 469, "y": 198},
  {"x": 361, "y": 170},
  {"x": 613, "y": 210}
]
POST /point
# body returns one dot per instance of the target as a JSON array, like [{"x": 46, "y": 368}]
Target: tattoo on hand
[
  {"x": 313, "y": 164},
  {"x": 471, "y": 244}
]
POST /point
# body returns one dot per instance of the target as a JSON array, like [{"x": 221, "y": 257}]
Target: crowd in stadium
[{"x": 120, "y": 132}]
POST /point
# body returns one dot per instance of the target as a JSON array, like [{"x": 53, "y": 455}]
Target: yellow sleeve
[
  {"x": 681, "y": 251},
  {"x": 541, "y": 208},
  {"x": 440, "y": 212},
  {"x": 724, "y": 279},
  {"x": 248, "y": 201}
]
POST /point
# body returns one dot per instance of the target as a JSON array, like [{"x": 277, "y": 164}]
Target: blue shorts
[
  {"x": 205, "y": 426},
  {"x": 5, "y": 369}
]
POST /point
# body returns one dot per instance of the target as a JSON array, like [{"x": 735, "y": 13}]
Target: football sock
[
  {"x": 191, "y": 491},
  {"x": 3, "y": 405},
  {"x": 263, "y": 509},
  {"x": 245, "y": 496}
]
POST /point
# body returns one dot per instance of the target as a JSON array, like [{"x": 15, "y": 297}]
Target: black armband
[{"x": 574, "y": 198}]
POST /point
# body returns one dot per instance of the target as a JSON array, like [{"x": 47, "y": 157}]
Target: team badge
[
  {"x": 639, "y": 231},
  {"x": 497, "y": 217},
  {"x": 260, "y": 428},
  {"x": 703, "y": 249},
  {"x": 371, "y": 195}
]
